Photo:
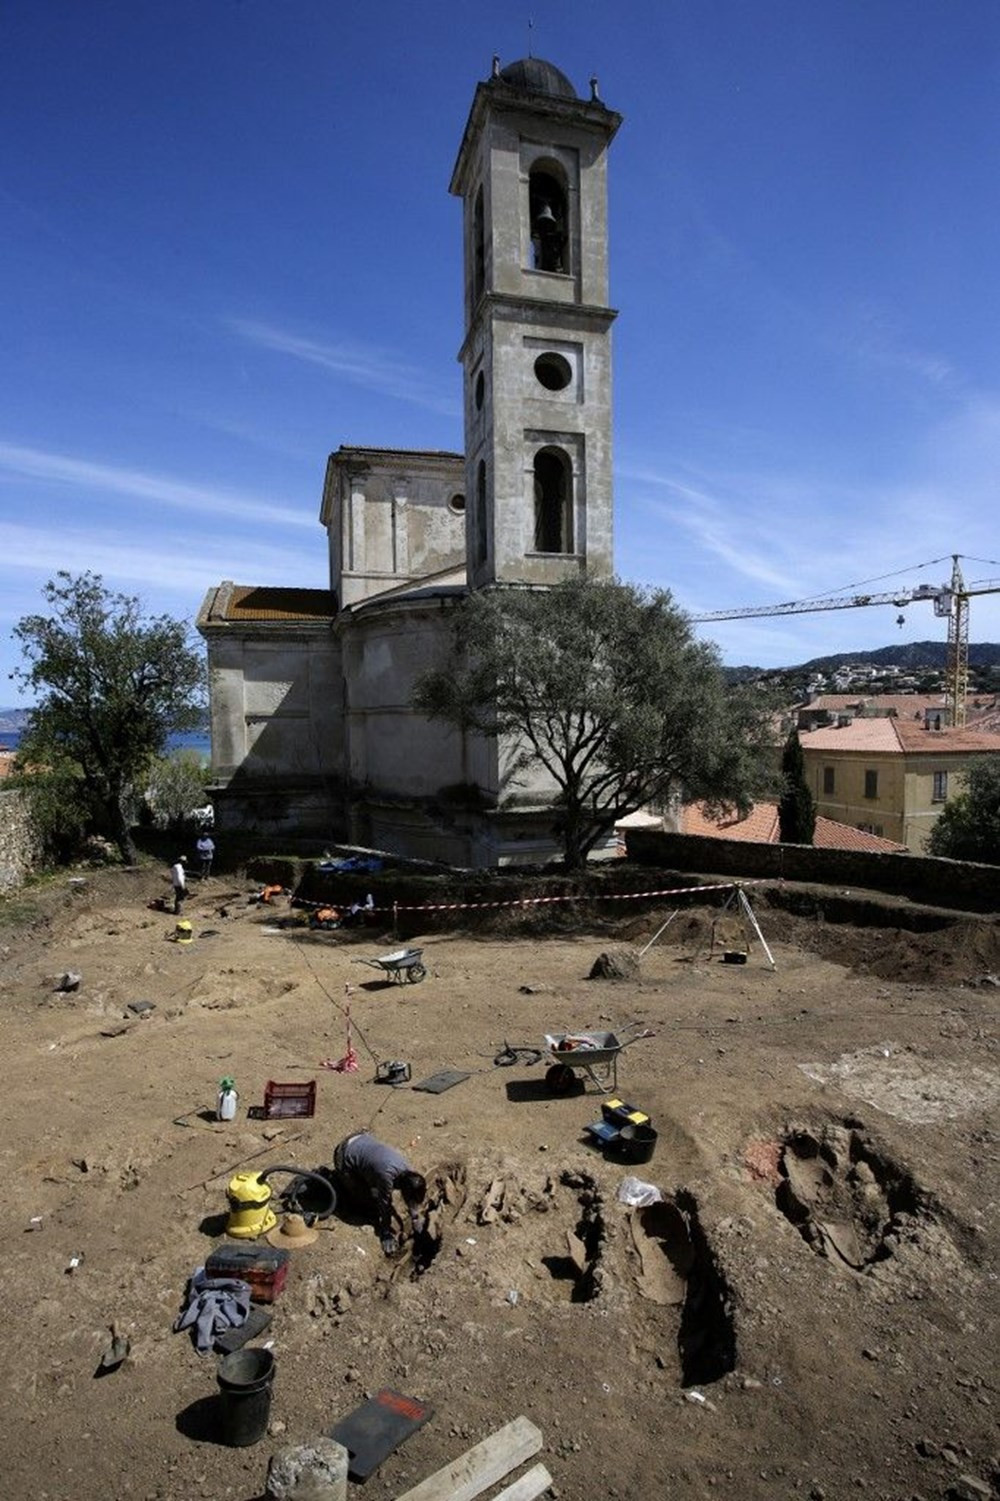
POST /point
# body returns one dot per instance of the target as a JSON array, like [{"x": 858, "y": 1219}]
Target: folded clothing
[{"x": 214, "y": 1304}]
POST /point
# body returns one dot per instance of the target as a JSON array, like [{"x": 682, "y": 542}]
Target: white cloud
[
  {"x": 370, "y": 368},
  {"x": 104, "y": 479},
  {"x": 157, "y": 565}
]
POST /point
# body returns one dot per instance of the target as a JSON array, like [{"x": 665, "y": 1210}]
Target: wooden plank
[
  {"x": 529, "y": 1485},
  {"x": 480, "y": 1467}
]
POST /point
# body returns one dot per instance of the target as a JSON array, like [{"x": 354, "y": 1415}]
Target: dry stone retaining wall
[
  {"x": 921, "y": 878},
  {"x": 19, "y": 851}
]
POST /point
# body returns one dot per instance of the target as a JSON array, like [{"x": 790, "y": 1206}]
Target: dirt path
[{"x": 825, "y": 1274}]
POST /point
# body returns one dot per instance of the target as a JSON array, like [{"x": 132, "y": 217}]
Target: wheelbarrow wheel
[
  {"x": 415, "y": 973},
  {"x": 560, "y": 1079}
]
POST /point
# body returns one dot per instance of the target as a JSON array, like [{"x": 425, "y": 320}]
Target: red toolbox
[{"x": 264, "y": 1267}]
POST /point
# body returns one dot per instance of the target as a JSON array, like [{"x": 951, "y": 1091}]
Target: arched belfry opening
[
  {"x": 553, "y": 501},
  {"x": 548, "y": 217}
]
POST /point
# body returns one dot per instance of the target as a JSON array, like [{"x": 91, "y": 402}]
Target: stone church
[{"x": 312, "y": 727}]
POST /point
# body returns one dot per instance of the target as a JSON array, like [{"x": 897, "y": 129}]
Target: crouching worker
[
  {"x": 370, "y": 1171},
  {"x": 325, "y": 917}
]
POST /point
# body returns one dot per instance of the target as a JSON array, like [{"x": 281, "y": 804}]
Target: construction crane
[{"x": 950, "y": 601}]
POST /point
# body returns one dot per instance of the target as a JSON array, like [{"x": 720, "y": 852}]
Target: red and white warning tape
[{"x": 539, "y": 901}]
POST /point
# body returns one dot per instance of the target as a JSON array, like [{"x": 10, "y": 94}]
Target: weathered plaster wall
[
  {"x": 277, "y": 703},
  {"x": 391, "y": 521},
  {"x": 19, "y": 850}
]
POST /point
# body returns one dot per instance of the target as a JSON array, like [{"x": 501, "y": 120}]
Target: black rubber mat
[
  {"x": 372, "y": 1431},
  {"x": 439, "y": 1082}
]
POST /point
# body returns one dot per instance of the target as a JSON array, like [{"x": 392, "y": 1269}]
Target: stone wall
[
  {"x": 942, "y": 883},
  {"x": 19, "y": 852}
]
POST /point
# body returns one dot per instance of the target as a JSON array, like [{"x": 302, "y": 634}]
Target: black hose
[
  {"x": 510, "y": 1054},
  {"x": 290, "y": 1197}
]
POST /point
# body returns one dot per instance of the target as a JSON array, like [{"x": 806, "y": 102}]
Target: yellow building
[{"x": 887, "y": 776}]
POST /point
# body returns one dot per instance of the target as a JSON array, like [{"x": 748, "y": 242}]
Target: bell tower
[{"x": 536, "y": 356}]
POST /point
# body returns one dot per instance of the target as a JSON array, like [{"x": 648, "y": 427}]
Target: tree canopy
[
  {"x": 968, "y": 827},
  {"x": 603, "y": 685},
  {"x": 796, "y": 808},
  {"x": 113, "y": 684}
]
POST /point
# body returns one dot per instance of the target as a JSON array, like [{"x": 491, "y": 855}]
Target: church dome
[{"x": 532, "y": 75}]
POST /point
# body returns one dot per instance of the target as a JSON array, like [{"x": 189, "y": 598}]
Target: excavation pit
[{"x": 846, "y": 1198}]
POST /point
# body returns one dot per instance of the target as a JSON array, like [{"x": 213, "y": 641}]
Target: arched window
[
  {"x": 553, "y": 501},
  {"x": 478, "y": 248},
  {"x": 481, "y": 538},
  {"x": 547, "y": 209}
]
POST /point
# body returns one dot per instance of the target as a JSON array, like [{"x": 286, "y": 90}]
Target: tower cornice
[
  {"x": 570, "y": 314},
  {"x": 497, "y": 98}
]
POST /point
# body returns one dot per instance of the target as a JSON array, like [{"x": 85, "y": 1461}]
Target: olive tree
[
  {"x": 969, "y": 824},
  {"x": 112, "y": 685},
  {"x": 602, "y": 684}
]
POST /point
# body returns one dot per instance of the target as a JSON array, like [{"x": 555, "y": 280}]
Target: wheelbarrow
[
  {"x": 592, "y": 1055},
  {"x": 404, "y": 965}
]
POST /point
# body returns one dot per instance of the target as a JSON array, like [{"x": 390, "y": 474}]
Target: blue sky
[{"x": 227, "y": 247}]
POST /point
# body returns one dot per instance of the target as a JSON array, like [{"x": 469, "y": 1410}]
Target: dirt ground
[{"x": 812, "y": 1312}]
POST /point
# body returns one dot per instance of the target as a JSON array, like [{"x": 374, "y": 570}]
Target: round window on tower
[
  {"x": 480, "y": 391},
  {"x": 553, "y": 371},
  {"x": 457, "y": 504}
]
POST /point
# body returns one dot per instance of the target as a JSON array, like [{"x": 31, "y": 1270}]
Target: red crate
[
  {"x": 284, "y": 1100},
  {"x": 264, "y": 1267}
]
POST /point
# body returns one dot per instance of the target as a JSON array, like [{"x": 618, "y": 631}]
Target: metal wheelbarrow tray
[
  {"x": 594, "y": 1055},
  {"x": 404, "y": 965}
]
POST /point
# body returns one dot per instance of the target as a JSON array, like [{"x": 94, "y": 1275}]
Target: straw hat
[{"x": 292, "y": 1234}]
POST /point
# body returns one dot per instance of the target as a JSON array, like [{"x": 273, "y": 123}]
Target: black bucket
[
  {"x": 245, "y": 1379},
  {"x": 633, "y": 1144}
]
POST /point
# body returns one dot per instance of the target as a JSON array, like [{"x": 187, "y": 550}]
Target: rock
[
  {"x": 969, "y": 1488},
  {"x": 615, "y": 964},
  {"x": 68, "y": 981},
  {"x": 313, "y": 1471}
]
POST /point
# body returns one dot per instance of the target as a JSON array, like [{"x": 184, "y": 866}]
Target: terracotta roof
[
  {"x": 859, "y": 735},
  {"x": 248, "y": 602},
  {"x": 761, "y": 827},
  {"x": 902, "y": 705},
  {"x": 831, "y": 835},
  {"x": 899, "y": 737},
  {"x": 913, "y": 737},
  {"x": 907, "y": 705}
]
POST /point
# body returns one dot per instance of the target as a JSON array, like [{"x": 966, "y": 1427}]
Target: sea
[{"x": 191, "y": 740}]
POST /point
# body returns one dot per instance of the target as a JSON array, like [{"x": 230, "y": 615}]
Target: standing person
[
  {"x": 370, "y": 1171},
  {"x": 358, "y": 912},
  {"x": 178, "y": 879},
  {"x": 206, "y": 853}
]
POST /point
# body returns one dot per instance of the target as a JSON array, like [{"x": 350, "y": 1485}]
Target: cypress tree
[{"x": 796, "y": 810}]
